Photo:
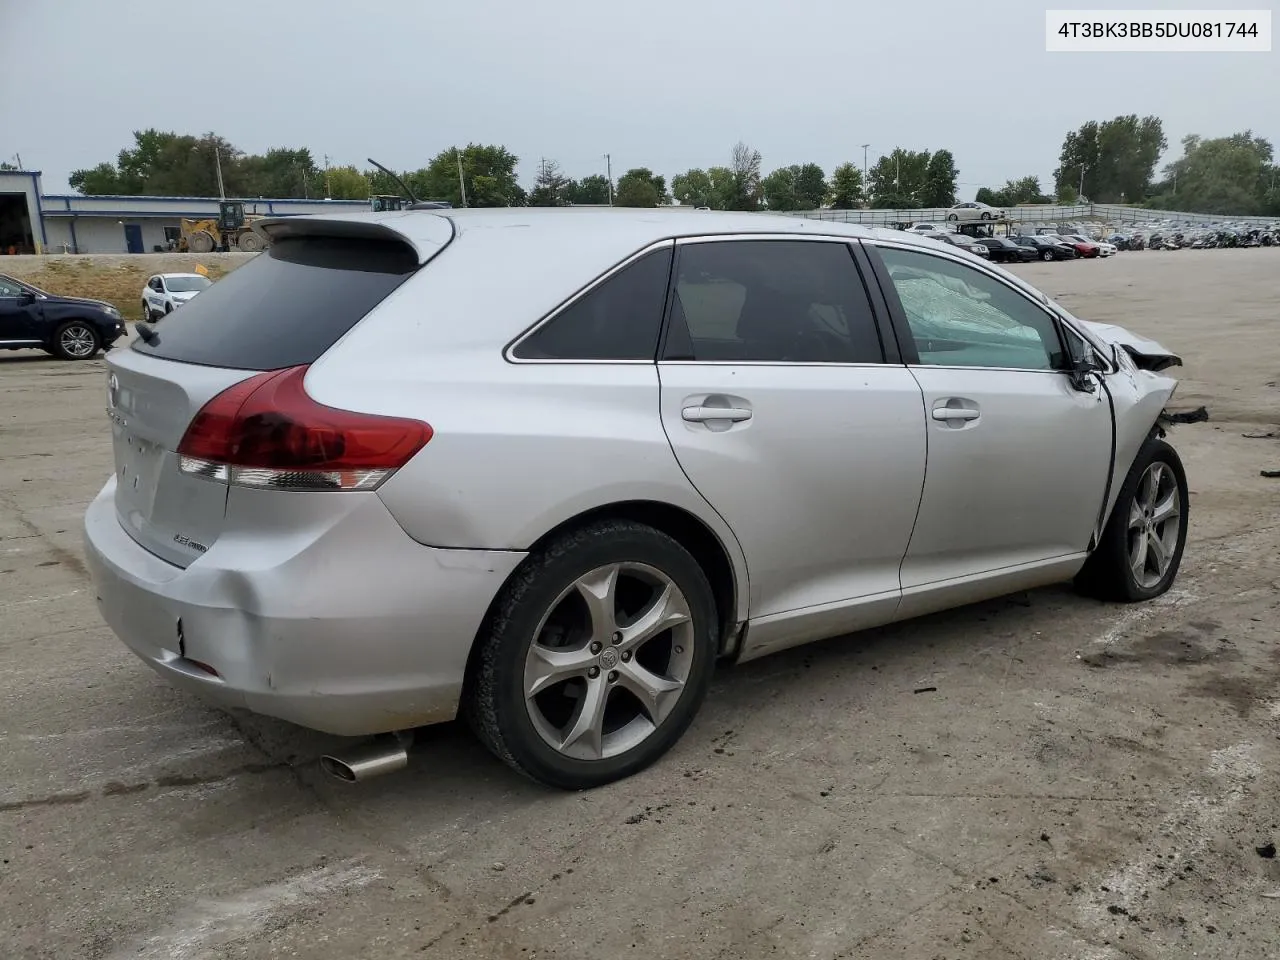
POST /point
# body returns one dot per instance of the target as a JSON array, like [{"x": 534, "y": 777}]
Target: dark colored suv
[{"x": 67, "y": 327}]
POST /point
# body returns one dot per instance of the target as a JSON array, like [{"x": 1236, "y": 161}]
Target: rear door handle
[
  {"x": 955, "y": 413},
  {"x": 701, "y": 414}
]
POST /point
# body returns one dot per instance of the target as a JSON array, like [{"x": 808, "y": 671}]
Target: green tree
[
  {"x": 1014, "y": 192},
  {"x": 811, "y": 185},
  {"x": 283, "y": 172},
  {"x": 640, "y": 187},
  {"x": 724, "y": 188},
  {"x": 1229, "y": 175},
  {"x": 550, "y": 187},
  {"x": 898, "y": 181},
  {"x": 1115, "y": 159},
  {"x": 797, "y": 187},
  {"x": 589, "y": 190},
  {"x": 939, "y": 189},
  {"x": 97, "y": 181},
  {"x": 779, "y": 189},
  {"x": 846, "y": 187},
  {"x": 346, "y": 183},
  {"x": 693, "y": 188},
  {"x": 489, "y": 172}
]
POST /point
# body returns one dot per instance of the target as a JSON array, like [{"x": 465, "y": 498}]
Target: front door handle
[
  {"x": 702, "y": 414},
  {"x": 955, "y": 413}
]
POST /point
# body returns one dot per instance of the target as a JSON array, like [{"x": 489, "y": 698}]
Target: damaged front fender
[{"x": 1146, "y": 354}]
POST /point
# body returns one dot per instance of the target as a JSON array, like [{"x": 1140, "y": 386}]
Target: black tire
[
  {"x": 1108, "y": 574},
  {"x": 1047, "y": 256},
  {"x": 146, "y": 310},
  {"x": 494, "y": 701},
  {"x": 75, "y": 331},
  {"x": 986, "y": 216},
  {"x": 168, "y": 308},
  {"x": 953, "y": 216}
]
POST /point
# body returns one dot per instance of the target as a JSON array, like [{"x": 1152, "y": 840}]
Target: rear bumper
[{"x": 348, "y": 626}]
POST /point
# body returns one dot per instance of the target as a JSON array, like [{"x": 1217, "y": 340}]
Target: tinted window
[
  {"x": 771, "y": 300},
  {"x": 9, "y": 289},
  {"x": 618, "y": 319},
  {"x": 961, "y": 317},
  {"x": 284, "y": 307}
]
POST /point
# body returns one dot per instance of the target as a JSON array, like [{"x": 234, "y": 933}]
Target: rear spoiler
[{"x": 428, "y": 236}]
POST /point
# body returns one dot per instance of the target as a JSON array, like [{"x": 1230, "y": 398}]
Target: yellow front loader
[{"x": 230, "y": 230}]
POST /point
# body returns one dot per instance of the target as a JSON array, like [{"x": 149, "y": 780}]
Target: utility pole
[
  {"x": 1080, "y": 193},
  {"x": 608, "y": 166},
  {"x": 328, "y": 192},
  {"x": 864, "y": 165},
  {"x": 18, "y": 157},
  {"x": 462, "y": 184},
  {"x": 217, "y": 163}
]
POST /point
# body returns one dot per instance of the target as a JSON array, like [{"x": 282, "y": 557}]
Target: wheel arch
[{"x": 724, "y": 570}]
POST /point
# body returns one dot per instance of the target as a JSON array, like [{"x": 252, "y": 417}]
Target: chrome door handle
[
  {"x": 701, "y": 414},
  {"x": 955, "y": 413}
]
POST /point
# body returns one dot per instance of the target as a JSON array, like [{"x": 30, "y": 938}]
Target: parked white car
[
  {"x": 930, "y": 229},
  {"x": 165, "y": 292},
  {"x": 975, "y": 211}
]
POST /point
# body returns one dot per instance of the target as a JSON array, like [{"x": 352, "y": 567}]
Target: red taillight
[{"x": 266, "y": 432}]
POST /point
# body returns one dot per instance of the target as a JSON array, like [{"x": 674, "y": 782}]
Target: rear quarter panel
[{"x": 517, "y": 448}]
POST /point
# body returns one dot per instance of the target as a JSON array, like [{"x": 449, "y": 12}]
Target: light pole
[
  {"x": 864, "y": 165},
  {"x": 1080, "y": 192},
  {"x": 608, "y": 167}
]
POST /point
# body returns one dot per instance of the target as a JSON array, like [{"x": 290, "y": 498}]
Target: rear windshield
[{"x": 285, "y": 307}]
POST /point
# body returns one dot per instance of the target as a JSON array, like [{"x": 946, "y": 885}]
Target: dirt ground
[
  {"x": 117, "y": 279},
  {"x": 1086, "y": 782}
]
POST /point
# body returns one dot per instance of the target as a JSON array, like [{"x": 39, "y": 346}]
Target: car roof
[
  {"x": 180, "y": 275},
  {"x": 622, "y": 230}
]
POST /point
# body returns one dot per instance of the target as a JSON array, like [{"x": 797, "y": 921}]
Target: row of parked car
[{"x": 1044, "y": 244}]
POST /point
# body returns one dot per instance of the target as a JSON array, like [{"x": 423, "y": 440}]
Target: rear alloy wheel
[
  {"x": 1141, "y": 548},
  {"x": 76, "y": 340},
  {"x": 596, "y": 656},
  {"x": 1047, "y": 256}
]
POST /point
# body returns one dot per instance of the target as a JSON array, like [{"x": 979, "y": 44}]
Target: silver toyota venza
[{"x": 546, "y": 468}]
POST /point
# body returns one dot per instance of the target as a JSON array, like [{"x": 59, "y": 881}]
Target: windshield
[{"x": 186, "y": 284}]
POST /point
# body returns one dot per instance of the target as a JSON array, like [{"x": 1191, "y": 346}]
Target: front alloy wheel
[
  {"x": 1155, "y": 522},
  {"x": 1140, "y": 551},
  {"x": 76, "y": 341},
  {"x": 595, "y": 656}
]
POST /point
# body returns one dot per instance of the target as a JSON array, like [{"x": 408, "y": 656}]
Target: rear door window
[
  {"x": 286, "y": 306},
  {"x": 774, "y": 301}
]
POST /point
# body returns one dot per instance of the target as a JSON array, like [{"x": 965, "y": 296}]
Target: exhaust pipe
[{"x": 368, "y": 761}]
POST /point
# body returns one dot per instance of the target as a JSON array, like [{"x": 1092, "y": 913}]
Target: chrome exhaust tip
[{"x": 369, "y": 761}]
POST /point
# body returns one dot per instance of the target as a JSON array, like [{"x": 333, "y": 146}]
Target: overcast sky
[{"x": 668, "y": 84}]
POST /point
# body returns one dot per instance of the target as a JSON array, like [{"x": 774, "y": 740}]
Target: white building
[{"x": 34, "y": 222}]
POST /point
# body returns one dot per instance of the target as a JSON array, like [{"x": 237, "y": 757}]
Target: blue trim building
[{"x": 35, "y": 222}]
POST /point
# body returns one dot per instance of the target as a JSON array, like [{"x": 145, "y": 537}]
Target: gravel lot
[{"x": 1086, "y": 781}]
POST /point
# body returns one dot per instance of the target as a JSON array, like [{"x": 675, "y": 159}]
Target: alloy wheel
[
  {"x": 609, "y": 661},
  {"x": 1155, "y": 520},
  {"x": 78, "y": 341}
]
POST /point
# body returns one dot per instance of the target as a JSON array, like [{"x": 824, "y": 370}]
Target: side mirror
[
  {"x": 26, "y": 298},
  {"x": 1082, "y": 370}
]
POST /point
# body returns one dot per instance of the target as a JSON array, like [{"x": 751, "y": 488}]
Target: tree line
[{"x": 1111, "y": 161}]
